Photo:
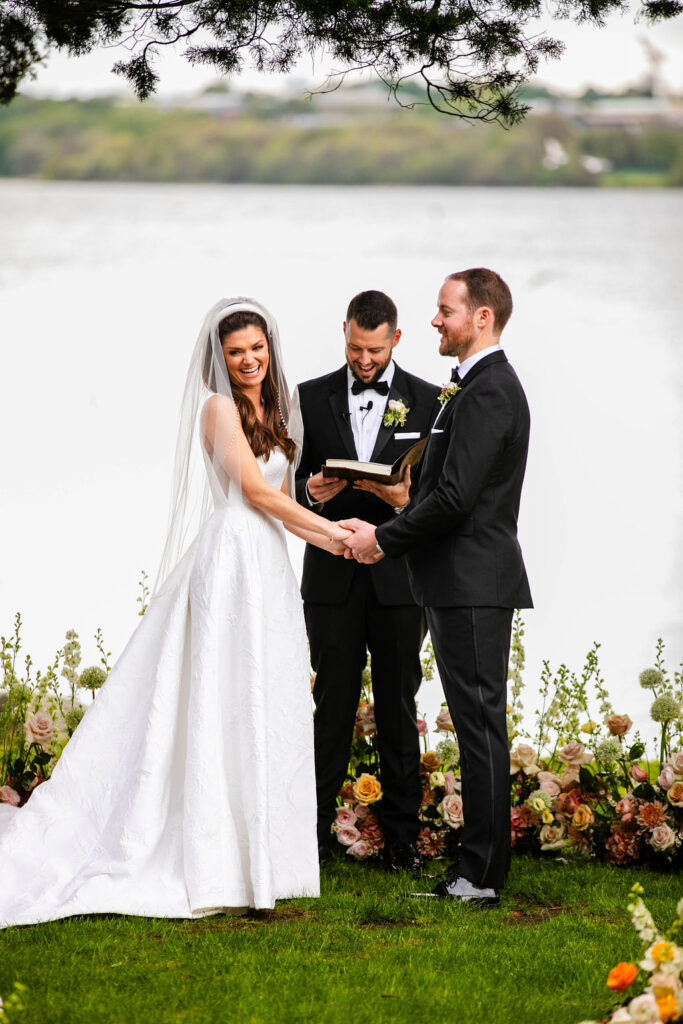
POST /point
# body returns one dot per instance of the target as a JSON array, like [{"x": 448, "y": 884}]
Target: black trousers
[
  {"x": 472, "y": 647},
  {"x": 338, "y": 636}
]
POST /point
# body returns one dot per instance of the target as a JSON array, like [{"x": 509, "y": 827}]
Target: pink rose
[
  {"x": 362, "y": 811},
  {"x": 549, "y": 783},
  {"x": 450, "y": 783},
  {"x": 444, "y": 722},
  {"x": 345, "y": 816},
  {"x": 450, "y": 810},
  {"x": 662, "y": 838},
  {"x": 626, "y": 808},
  {"x": 575, "y": 754},
  {"x": 421, "y": 727},
  {"x": 637, "y": 773},
  {"x": 569, "y": 778},
  {"x": 360, "y": 849},
  {"x": 9, "y": 796},
  {"x": 666, "y": 777},
  {"x": 676, "y": 762},
  {"x": 38, "y": 728},
  {"x": 644, "y": 1010},
  {"x": 348, "y": 835},
  {"x": 365, "y": 720}
]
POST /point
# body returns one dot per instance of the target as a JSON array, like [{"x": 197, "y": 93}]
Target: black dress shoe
[
  {"x": 403, "y": 858},
  {"x": 445, "y": 891}
]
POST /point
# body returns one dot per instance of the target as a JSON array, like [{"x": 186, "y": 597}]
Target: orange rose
[
  {"x": 675, "y": 794},
  {"x": 621, "y": 976},
  {"x": 668, "y": 1008},
  {"x": 367, "y": 789},
  {"x": 583, "y": 817},
  {"x": 429, "y": 762}
]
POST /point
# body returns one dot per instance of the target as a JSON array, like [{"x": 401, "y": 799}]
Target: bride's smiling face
[{"x": 246, "y": 356}]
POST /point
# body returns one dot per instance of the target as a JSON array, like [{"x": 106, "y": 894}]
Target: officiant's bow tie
[
  {"x": 455, "y": 376},
  {"x": 380, "y": 386}
]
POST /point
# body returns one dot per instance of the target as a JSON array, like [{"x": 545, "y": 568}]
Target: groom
[
  {"x": 369, "y": 410},
  {"x": 465, "y": 562}
]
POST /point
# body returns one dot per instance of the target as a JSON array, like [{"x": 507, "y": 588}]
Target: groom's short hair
[
  {"x": 370, "y": 309},
  {"x": 486, "y": 288}
]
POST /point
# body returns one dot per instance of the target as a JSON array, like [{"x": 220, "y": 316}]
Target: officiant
[{"x": 368, "y": 410}]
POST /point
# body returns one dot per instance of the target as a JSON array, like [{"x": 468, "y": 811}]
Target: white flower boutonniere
[
  {"x": 448, "y": 391},
  {"x": 395, "y": 415}
]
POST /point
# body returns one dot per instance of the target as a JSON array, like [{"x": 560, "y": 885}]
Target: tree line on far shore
[{"x": 105, "y": 140}]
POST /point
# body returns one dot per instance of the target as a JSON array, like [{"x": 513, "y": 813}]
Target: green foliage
[
  {"x": 272, "y": 143},
  {"x": 470, "y": 57},
  {"x": 365, "y": 949}
]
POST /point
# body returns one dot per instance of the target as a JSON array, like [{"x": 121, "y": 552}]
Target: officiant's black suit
[
  {"x": 459, "y": 536},
  {"x": 348, "y": 606}
]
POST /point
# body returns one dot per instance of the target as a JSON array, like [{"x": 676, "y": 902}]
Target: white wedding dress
[{"x": 188, "y": 788}]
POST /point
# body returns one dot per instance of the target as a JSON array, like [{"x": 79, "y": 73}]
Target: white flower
[
  {"x": 644, "y": 1010},
  {"x": 667, "y": 957},
  {"x": 395, "y": 413},
  {"x": 621, "y": 1016}
]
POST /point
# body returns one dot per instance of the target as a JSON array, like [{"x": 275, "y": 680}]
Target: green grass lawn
[{"x": 363, "y": 953}]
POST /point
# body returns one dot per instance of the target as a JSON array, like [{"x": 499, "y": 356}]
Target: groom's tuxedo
[
  {"x": 459, "y": 536},
  {"x": 349, "y": 607}
]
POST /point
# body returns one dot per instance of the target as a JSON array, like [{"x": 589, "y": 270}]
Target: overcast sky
[{"x": 611, "y": 57}]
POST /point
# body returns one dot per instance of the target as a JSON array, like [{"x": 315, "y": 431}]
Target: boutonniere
[
  {"x": 395, "y": 415},
  {"x": 448, "y": 391}
]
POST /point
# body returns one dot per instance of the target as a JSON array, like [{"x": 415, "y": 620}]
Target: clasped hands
[{"x": 359, "y": 542}]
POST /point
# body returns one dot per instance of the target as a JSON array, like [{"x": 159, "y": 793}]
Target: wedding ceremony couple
[{"x": 200, "y": 781}]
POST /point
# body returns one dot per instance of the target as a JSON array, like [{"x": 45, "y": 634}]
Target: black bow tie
[
  {"x": 455, "y": 376},
  {"x": 380, "y": 386}
]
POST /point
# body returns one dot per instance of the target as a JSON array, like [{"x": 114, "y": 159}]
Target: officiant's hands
[
  {"x": 324, "y": 488},
  {"x": 396, "y": 495},
  {"x": 361, "y": 544}
]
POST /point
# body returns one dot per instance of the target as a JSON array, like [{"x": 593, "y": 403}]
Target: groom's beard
[{"x": 457, "y": 343}]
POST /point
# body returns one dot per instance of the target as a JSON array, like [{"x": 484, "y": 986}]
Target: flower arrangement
[
  {"x": 448, "y": 391},
  {"x": 606, "y": 801},
  {"x": 656, "y": 982},
  {"x": 395, "y": 413}
]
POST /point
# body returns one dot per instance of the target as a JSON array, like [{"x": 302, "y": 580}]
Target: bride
[{"x": 188, "y": 787}]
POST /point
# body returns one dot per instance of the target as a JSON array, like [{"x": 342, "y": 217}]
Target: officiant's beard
[{"x": 376, "y": 375}]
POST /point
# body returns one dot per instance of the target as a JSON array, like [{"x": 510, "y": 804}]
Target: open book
[{"x": 383, "y": 473}]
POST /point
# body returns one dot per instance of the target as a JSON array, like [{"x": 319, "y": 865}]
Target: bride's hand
[{"x": 338, "y": 537}]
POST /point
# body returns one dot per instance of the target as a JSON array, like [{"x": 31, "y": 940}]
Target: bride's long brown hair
[{"x": 263, "y": 436}]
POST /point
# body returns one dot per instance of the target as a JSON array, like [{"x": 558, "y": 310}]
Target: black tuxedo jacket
[
  {"x": 460, "y": 530},
  {"x": 328, "y": 435}
]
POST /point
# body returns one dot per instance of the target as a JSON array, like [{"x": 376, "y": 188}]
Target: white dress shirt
[
  {"x": 466, "y": 365},
  {"x": 365, "y": 423}
]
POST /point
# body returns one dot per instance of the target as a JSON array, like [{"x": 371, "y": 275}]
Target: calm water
[{"x": 103, "y": 287}]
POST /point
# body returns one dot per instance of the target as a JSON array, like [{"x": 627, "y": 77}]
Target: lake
[{"x": 102, "y": 291}]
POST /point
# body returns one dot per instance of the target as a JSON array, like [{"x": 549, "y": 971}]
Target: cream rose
[
  {"x": 575, "y": 754},
  {"x": 662, "y": 838},
  {"x": 39, "y": 728},
  {"x": 444, "y": 722},
  {"x": 676, "y": 762},
  {"x": 644, "y": 1010},
  {"x": 450, "y": 810},
  {"x": 618, "y": 725},
  {"x": 9, "y": 796},
  {"x": 523, "y": 759},
  {"x": 552, "y": 837}
]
